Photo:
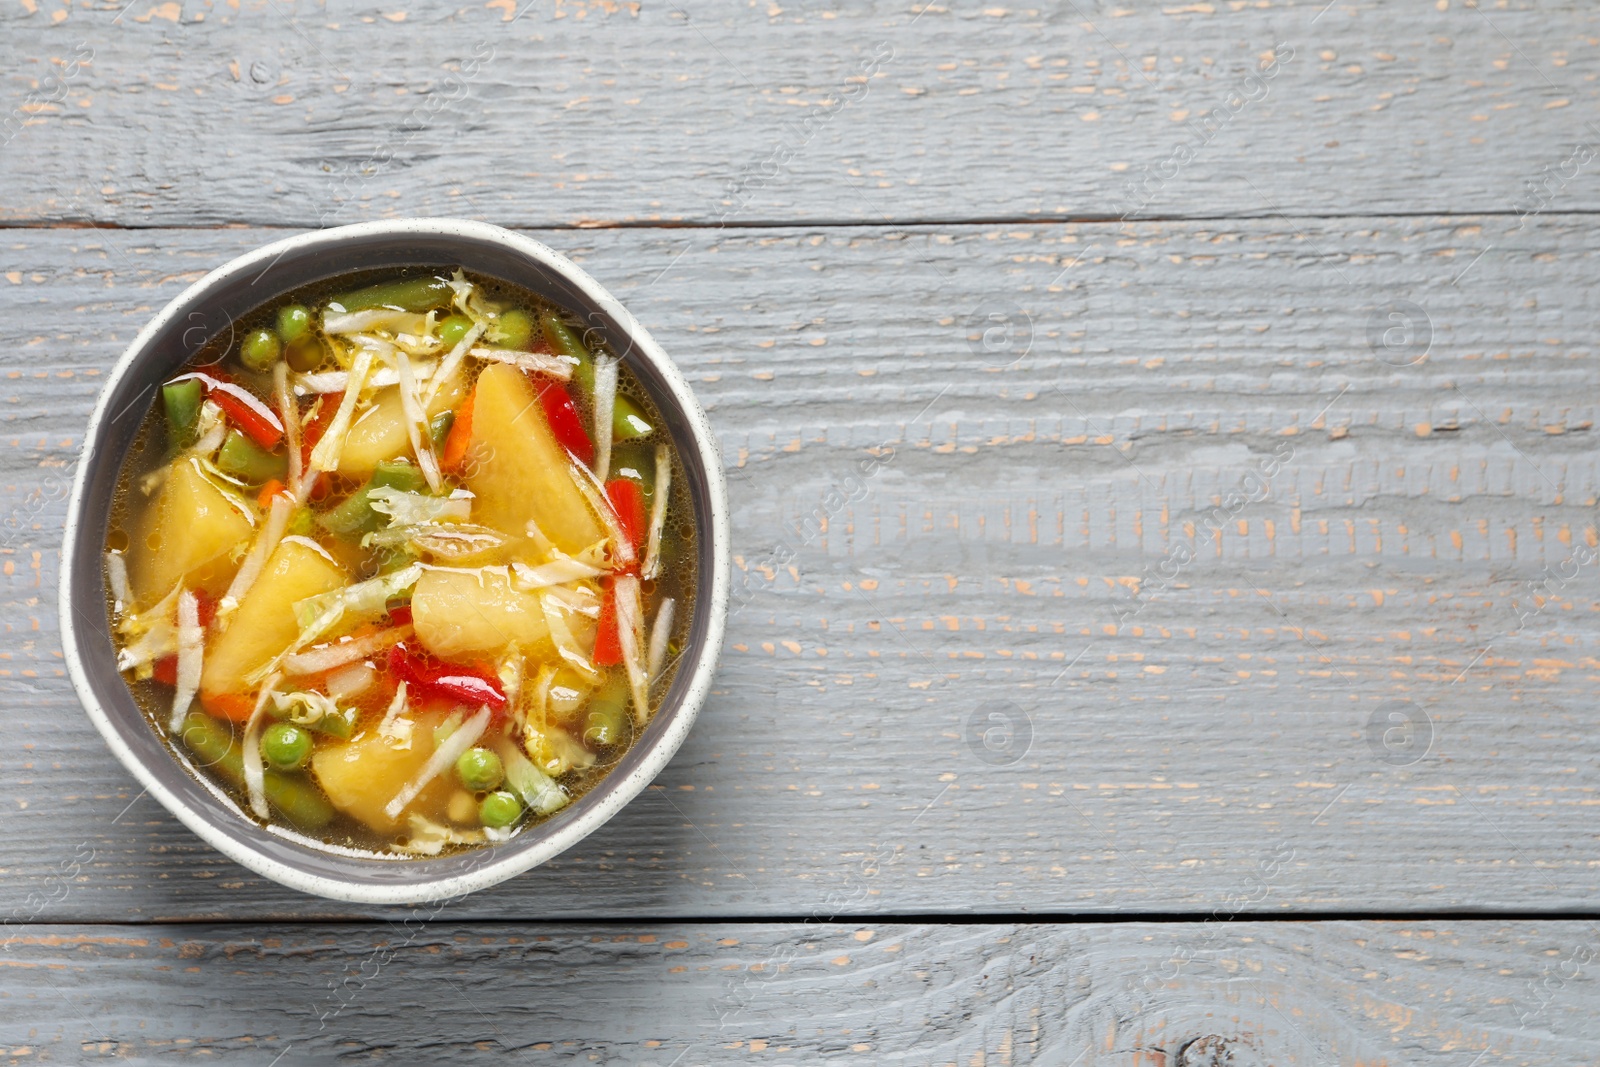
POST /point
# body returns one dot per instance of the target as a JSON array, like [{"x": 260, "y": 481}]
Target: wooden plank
[
  {"x": 1104, "y": 995},
  {"x": 586, "y": 113},
  {"x": 1162, "y": 748}
]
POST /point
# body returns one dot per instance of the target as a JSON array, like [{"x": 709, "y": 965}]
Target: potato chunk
[
  {"x": 380, "y": 433},
  {"x": 517, "y": 470},
  {"x": 265, "y": 625},
  {"x": 362, "y": 775},
  {"x": 187, "y": 533},
  {"x": 474, "y": 615}
]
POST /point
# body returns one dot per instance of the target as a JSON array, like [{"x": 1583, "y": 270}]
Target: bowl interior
[{"x": 213, "y": 305}]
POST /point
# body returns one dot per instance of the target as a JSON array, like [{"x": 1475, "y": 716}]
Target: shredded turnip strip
[
  {"x": 658, "y": 513},
  {"x": 325, "y": 457},
  {"x": 630, "y": 634},
  {"x": 396, "y": 707},
  {"x": 452, "y": 362},
  {"x": 442, "y": 759},
  {"x": 215, "y": 429},
  {"x": 191, "y": 646},
  {"x": 373, "y": 318},
  {"x": 595, "y": 494},
  {"x": 117, "y": 575},
  {"x": 267, "y": 540},
  {"x": 255, "y": 784},
  {"x": 416, "y": 421},
  {"x": 534, "y": 362},
  {"x": 289, "y": 412},
  {"x": 605, "y": 397},
  {"x": 561, "y": 637},
  {"x": 659, "y": 635},
  {"x": 326, "y": 658}
]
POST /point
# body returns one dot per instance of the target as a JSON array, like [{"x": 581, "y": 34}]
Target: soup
[{"x": 400, "y": 564}]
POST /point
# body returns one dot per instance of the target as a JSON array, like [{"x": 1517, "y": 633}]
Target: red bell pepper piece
[
  {"x": 400, "y": 614},
  {"x": 166, "y": 670},
  {"x": 627, "y": 500},
  {"x": 244, "y": 409},
  {"x": 207, "y": 605},
  {"x": 446, "y": 680},
  {"x": 607, "y": 640},
  {"x": 248, "y": 412},
  {"x": 562, "y": 415}
]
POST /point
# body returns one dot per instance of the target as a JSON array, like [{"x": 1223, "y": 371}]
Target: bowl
[{"x": 213, "y": 304}]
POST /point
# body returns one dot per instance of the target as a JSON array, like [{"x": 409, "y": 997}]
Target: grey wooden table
[{"x": 1204, "y": 669}]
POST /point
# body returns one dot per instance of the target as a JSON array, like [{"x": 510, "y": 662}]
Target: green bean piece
[
  {"x": 260, "y": 350},
  {"x": 606, "y": 721},
  {"x": 499, "y": 810},
  {"x": 627, "y": 421},
  {"x": 355, "y": 516},
  {"x": 480, "y": 770},
  {"x": 399, "y": 474},
  {"x": 638, "y": 462},
  {"x": 294, "y": 322},
  {"x": 304, "y": 353},
  {"x": 453, "y": 328},
  {"x": 286, "y": 746},
  {"x": 567, "y": 343},
  {"x": 182, "y": 403},
  {"x": 249, "y": 462},
  {"x": 514, "y": 329},
  {"x": 407, "y": 294},
  {"x": 295, "y": 798},
  {"x": 439, "y": 428}
]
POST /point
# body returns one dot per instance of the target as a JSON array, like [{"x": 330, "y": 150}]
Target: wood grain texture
[
  {"x": 1163, "y": 747},
  {"x": 587, "y": 112},
  {"x": 1114, "y": 995}
]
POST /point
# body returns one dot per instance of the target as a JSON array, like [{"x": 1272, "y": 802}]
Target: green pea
[
  {"x": 260, "y": 350},
  {"x": 286, "y": 746},
  {"x": 499, "y": 809},
  {"x": 293, "y": 322},
  {"x": 295, "y": 798},
  {"x": 453, "y": 329},
  {"x": 304, "y": 353},
  {"x": 302, "y": 523},
  {"x": 479, "y": 769},
  {"x": 514, "y": 329}
]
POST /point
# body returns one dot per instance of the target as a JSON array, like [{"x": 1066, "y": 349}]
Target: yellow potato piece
[
  {"x": 187, "y": 533},
  {"x": 264, "y": 624},
  {"x": 516, "y": 469},
  {"x": 474, "y": 615},
  {"x": 380, "y": 434},
  {"x": 362, "y": 775}
]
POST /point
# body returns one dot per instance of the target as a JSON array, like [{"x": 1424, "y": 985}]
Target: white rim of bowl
[{"x": 662, "y": 747}]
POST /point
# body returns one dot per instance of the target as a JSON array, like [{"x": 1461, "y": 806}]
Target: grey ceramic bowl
[{"x": 214, "y": 303}]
